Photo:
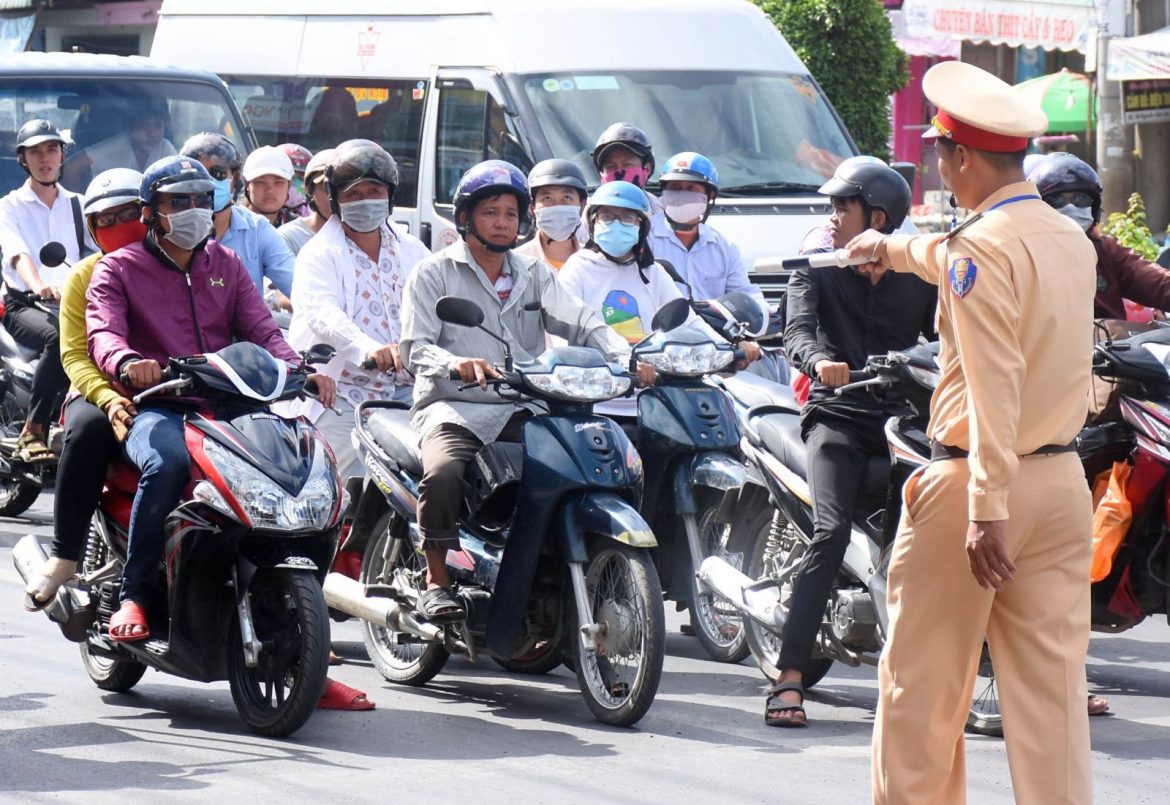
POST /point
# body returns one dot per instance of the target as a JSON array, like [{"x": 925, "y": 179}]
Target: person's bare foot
[
  {"x": 1097, "y": 705},
  {"x": 43, "y": 588}
]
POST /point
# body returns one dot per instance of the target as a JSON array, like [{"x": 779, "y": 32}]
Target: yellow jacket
[{"x": 84, "y": 376}]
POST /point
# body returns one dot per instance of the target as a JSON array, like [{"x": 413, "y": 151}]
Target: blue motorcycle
[{"x": 554, "y": 562}]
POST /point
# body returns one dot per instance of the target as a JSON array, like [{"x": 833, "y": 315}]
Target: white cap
[{"x": 267, "y": 161}]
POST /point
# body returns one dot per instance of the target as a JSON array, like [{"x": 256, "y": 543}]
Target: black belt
[{"x": 940, "y": 451}]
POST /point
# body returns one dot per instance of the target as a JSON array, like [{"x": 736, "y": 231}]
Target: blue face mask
[
  {"x": 223, "y": 193},
  {"x": 616, "y": 239}
]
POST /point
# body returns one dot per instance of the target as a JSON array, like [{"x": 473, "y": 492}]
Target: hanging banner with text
[
  {"x": 1047, "y": 24},
  {"x": 1146, "y": 101}
]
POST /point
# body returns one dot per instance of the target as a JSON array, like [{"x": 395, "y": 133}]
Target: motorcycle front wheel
[
  {"x": 776, "y": 556},
  {"x": 718, "y": 626},
  {"x": 277, "y": 697},
  {"x": 619, "y": 677},
  {"x": 399, "y": 657}
]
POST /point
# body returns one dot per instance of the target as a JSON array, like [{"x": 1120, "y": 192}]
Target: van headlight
[
  {"x": 266, "y": 504},
  {"x": 689, "y": 360},
  {"x": 580, "y": 384}
]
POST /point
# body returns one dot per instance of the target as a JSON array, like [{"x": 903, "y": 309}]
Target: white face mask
[
  {"x": 558, "y": 222},
  {"x": 365, "y": 216},
  {"x": 684, "y": 206},
  {"x": 1082, "y": 215},
  {"x": 189, "y": 228}
]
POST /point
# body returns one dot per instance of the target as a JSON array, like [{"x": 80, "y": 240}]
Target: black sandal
[
  {"x": 438, "y": 604},
  {"x": 778, "y": 714}
]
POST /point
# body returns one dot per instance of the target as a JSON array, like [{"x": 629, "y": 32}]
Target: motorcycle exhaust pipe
[
  {"x": 759, "y": 602},
  {"x": 349, "y": 596},
  {"x": 67, "y": 610}
]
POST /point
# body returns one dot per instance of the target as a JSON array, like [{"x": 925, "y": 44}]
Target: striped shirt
[{"x": 430, "y": 348}]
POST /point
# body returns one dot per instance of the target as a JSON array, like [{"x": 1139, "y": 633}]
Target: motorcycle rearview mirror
[
  {"x": 465, "y": 313},
  {"x": 52, "y": 255},
  {"x": 318, "y": 353},
  {"x": 673, "y": 314}
]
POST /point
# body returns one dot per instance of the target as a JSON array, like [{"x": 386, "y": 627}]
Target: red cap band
[{"x": 964, "y": 133}]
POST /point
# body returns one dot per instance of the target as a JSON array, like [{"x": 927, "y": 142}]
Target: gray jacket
[{"x": 430, "y": 348}]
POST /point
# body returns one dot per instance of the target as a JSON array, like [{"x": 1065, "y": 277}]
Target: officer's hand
[
  {"x": 143, "y": 374},
  {"x": 386, "y": 358},
  {"x": 871, "y": 246},
  {"x": 832, "y": 373},
  {"x": 475, "y": 370},
  {"x": 647, "y": 376},
  {"x": 987, "y": 554},
  {"x": 121, "y": 414},
  {"x": 325, "y": 387},
  {"x": 751, "y": 354}
]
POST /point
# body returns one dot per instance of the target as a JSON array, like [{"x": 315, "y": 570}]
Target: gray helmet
[
  {"x": 628, "y": 136},
  {"x": 879, "y": 186},
  {"x": 38, "y": 131},
  {"x": 215, "y": 145},
  {"x": 559, "y": 173},
  {"x": 111, "y": 188},
  {"x": 359, "y": 161}
]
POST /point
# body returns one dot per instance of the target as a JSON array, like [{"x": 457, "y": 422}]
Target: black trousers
[
  {"x": 35, "y": 329},
  {"x": 89, "y": 448},
  {"x": 839, "y": 448}
]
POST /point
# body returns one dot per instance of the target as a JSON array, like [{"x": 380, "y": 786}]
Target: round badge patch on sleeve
[{"x": 962, "y": 276}]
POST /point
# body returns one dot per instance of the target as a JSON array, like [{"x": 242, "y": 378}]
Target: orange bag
[{"x": 1111, "y": 520}]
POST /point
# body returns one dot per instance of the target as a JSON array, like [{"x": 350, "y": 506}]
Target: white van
[{"x": 447, "y": 83}]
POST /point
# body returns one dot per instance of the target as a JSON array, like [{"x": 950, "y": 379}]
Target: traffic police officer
[{"x": 1016, "y": 285}]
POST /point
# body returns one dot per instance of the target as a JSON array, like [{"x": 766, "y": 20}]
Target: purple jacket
[{"x": 141, "y": 307}]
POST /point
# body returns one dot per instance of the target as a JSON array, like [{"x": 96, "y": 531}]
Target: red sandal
[
  {"x": 131, "y": 614},
  {"x": 338, "y": 696}
]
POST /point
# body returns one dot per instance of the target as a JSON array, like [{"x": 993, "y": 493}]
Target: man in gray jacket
[{"x": 520, "y": 296}]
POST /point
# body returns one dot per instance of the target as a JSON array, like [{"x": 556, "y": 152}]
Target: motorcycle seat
[
  {"x": 392, "y": 431},
  {"x": 752, "y": 391}
]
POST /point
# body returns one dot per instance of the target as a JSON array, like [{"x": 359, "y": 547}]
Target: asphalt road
[{"x": 477, "y": 734}]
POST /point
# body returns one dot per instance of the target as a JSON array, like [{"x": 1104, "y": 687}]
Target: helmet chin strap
[{"x": 491, "y": 247}]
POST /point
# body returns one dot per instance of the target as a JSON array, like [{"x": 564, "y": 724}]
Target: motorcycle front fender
[
  {"x": 601, "y": 513},
  {"x": 712, "y": 470}
]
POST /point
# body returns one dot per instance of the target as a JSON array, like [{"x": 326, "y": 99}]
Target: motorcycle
[
  {"x": 247, "y": 547},
  {"x": 21, "y": 482},
  {"x": 554, "y": 562}
]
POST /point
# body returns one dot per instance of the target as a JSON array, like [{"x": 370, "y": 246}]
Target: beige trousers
[{"x": 1037, "y": 630}]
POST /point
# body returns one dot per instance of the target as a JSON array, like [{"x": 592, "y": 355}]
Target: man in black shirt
[{"x": 835, "y": 320}]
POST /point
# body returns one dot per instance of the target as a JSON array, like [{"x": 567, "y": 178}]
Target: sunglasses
[
  {"x": 179, "y": 203},
  {"x": 1076, "y": 198},
  {"x": 124, "y": 216},
  {"x": 627, "y": 218}
]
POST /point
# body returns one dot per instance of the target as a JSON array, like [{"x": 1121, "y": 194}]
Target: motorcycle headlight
[
  {"x": 581, "y": 384},
  {"x": 266, "y": 504},
  {"x": 689, "y": 360}
]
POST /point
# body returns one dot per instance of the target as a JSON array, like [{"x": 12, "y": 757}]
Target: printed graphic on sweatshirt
[{"x": 620, "y": 311}]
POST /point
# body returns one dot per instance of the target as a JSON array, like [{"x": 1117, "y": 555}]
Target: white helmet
[
  {"x": 267, "y": 161},
  {"x": 110, "y": 189}
]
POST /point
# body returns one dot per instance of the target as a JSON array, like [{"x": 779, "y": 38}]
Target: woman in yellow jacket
[{"x": 97, "y": 416}]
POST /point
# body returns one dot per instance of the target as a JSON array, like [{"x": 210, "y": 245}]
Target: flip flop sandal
[
  {"x": 338, "y": 696},
  {"x": 130, "y": 614},
  {"x": 778, "y": 714},
  {"x": 1097, "y": 705},
  {"x": 32, "y": 449},
  {"x": 438, "y": 604}
]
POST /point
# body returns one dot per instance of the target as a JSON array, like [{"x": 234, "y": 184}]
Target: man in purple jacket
[{"x": 173, "y": 294}]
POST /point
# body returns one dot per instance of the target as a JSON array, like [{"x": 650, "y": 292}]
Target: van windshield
[
  {"x": 765, "y": 132},
  {"x": 111, "y": 122}
]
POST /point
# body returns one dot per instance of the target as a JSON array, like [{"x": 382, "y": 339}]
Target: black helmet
[
  {"x": 1061, "y": 172},
  {"x": 628, "y": 136},
  {"x": 38, "y": 131},
  {"x": 558, "y": 172},
  {"x": 360, "y": 161},
  {"x": 879, "y": 186},
  {"x": 174, "y": 174},
  {"x": 212, "y": 144}
]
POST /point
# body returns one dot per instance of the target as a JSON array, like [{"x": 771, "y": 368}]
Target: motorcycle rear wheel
[
  {"x": 277, "y": 697},
  {"x": 116, "y": 676},
  {"x": 984, "y": 718},
  {"x": 544, "y": 658},
  {"x": 16, "y": 496},
  {"x": 718, "y": 627},
  {"x": 764, "y": 644},
  {"x": 619, "y": 678},
  {"x": 398, "y": 660}
]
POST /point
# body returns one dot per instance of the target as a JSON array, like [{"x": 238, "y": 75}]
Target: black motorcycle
[{"x": 247, "y": 548}]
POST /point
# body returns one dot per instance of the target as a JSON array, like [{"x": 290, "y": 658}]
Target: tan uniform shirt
[{"x": 1015, "y": 322}]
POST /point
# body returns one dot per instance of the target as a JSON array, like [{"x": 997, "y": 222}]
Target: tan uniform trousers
[{"x": 1037, "y": 629}]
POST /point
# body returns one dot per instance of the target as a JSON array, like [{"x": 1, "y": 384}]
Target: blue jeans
[{"x": 157, "y": 448}]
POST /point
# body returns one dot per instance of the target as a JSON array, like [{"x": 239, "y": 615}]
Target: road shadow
[{"x": 23, "y": 701}]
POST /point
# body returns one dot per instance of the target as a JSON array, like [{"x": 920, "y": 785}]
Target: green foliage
[
  {"x": 849, "y": 48},
  {"x": 1130, "y": 229}
]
